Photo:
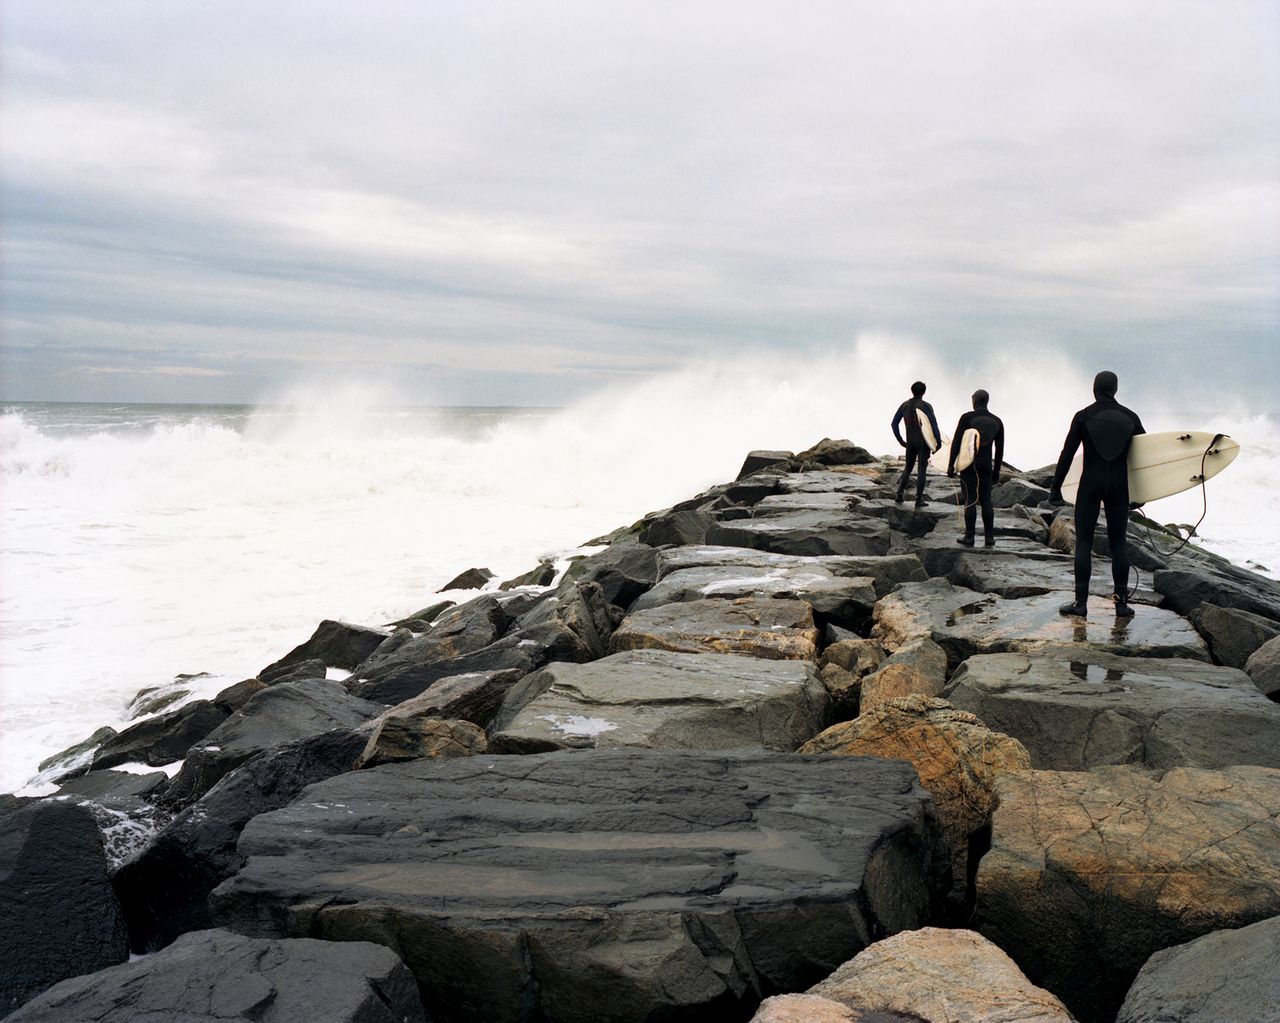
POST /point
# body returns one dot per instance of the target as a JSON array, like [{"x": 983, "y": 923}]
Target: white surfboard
[
  {"x": 968, "y": 448},
  {"x": 926, "y": 428},
  {"x": 1164, "y": 464}
]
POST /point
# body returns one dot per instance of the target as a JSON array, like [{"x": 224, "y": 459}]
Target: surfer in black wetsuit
[
  {"x": 918, "y": 449},
  {"x": 977, "y": 478},
  {"x": 1105, "y": 429}
]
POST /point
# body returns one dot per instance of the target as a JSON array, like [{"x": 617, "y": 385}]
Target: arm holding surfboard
[{"x": 902, "y": 411}]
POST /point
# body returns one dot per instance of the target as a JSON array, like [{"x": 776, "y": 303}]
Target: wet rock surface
[
  {"x": 804, "y": 533},
  {"x": 656, "y": 883},
  {"x": 1013, "y": 577},
  {"x": 1089, "y": 873},
  {"x": 885, "y": 571},
  {"x": 661, "y": 700},
  {"x": 772, "y": 629},
  {"x": 217, "y": 975},
  {"x": 1075, "y": 708},
  {"x": 1263, "y": 668}
]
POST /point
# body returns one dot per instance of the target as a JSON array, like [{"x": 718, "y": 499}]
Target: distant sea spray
[{"x": 140, "y": 542}]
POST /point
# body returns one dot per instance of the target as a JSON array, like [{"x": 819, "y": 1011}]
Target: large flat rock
[
  {"x": 1012, "y": 576},
  {"x": 939, "y": 552},
  {"x": 805, "y": 533},
  {"x": 209, "y": 976},
  {"x": 774, "y": 629},
  {"x": 844, "y": 600},
  {"x": 1091, "y": 872},
  {"x": 600, "y": 884},
  {"x": 660, "y": 700},
  {"x": 964, "y": 622},
  {"x": 846, "y": 481},
  {"x": 1075, "y": 708},
  {"x": 885, "y": 570}
]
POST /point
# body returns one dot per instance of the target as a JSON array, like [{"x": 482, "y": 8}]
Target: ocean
[{"x": 143, "y": 542}]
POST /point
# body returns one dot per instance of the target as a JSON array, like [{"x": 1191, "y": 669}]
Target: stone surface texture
[
  {"x": 1089, "y": 873},
  {"x": 805, "y": 533},
  {"x": 1232, "y": 635},
  {"x": 1263, "y": 668},
  {"x": 941, "y": 976},
  {"x": 209, "y": 976},
  {"x": 918, "y": 667},
  {"x": 886, "y": 571},
  {"x": 600, "y": 884},
  {"x": 398, "y": 737},
  {"x": 774, "y": 629}
]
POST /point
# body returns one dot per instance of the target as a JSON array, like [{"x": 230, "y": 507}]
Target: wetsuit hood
[{"x": 1105, "y": 384}]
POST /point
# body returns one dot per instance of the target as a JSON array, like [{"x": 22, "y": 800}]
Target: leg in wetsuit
[
  {"x": 977, "y": 481},
  {"x": 916, "y": 453},
  {"x": 1109, "y": 491}
]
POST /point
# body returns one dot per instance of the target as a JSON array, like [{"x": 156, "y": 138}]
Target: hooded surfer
[
  {"x": 1105, "y": 429},
  {"x": 979, "y": 475},
  {"x": 919, "y": 448}
]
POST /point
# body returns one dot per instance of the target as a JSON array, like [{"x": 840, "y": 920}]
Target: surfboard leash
[{"x": 1204, "y": 506}]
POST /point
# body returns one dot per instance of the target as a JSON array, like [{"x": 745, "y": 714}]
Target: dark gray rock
[
  {"x": 336, "y": 644},
  {"x": 1075, "y": 708},
  {"x": 58, "y": 914},
  {"x": 623, "y": 571},
  {"x": 234, "y": 697},
  {"x": 471, "y": 579},
  {"x": 840, "y": 599},
  {"x": 1012, "y": 576},
  {"x": 757, "y": 460},
  {"x": 219, "y": 976},
  {"x": 1188, "y": 585},
  {"x": 775, "y": 629},
  {"x": 656, "y": 699},
  {"x": 119, "y": 803},
  {"x": 677, "y": 527},
  {"x": 574, "y": 625},
  {"x": 424, "y": 617},
  {"x": 1225, "y": 975},
  {"x": 154, "y": 699},
  {"x": 543, "y": 575},
  {"x": 804, "y": 533},
  {"x": 463, "y": 629},
  {"x": 832, "y": 503},
  {"x": 965, "y": 623},
  {"x": 885, "y": 570},
  {"x": 79, "y": 755},
  {"x": 1019, "y": 490},
  {"x": 1232, "y": 635},
  {"x": 399, "y": 682},
  {"x": 475, "y": 697},
  {"x": 600, "y": 884},
  {"x": 906, "y": 518},
  {"x": 1263, "y": 667},
  {"x": 1007, "y": 524},
  {"x": 823, "y": 482},
  {"x": 164, "y": 890},
  {"x": 161, "y": 740},
  {"x": 835, "y": 452},
  {"x": 295, "y": 671},
  {"x": 939, "y": 552},
  {"x": 755, "y": 488},
  {"x": 275, "y": 717},
  {"x": 112, "y": 784}
]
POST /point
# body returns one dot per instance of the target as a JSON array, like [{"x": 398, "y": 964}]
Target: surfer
[
  {"x": 910, "y": 413},
  {"x": 1105, "y": 429},
  {"x": 977, "y": 478}
]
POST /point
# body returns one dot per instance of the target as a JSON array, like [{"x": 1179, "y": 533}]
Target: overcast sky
[{"x": 520, "y": 202}]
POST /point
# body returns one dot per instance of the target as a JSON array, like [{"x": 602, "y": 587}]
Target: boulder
[
  {"x": 463, "y": 629},
  {"x": 335, "y": 644},
  {"x": 276, "y": 717},
  {"x": 1263, "y": 667},
  {"x": 399, "y": 737},
  {"x": 885, "y": 571},
  {"x": 1224, "y": 975},
  {"x": 655, "y": 699},
  {"x": 1089, "y": 873},
  {"x": 1232, "y": 635},
  {"x": 938, "y": 552},
  {"x": 58, "y": 915},
  {"x": 757, "y": 460},
  {"x": 957, "y": 757},
  {"x": 163, "y": 739},
  {"x": 804, "y": 533},
  {"x": 809, "y": 1009},
  {"x": 1075, "y": 708},
  {"x": 236, "y": 696},
  {"x": 154, "y": 699},
  {"x": 423, "y": 617},
  {"x": 842, "y": 481},
  {"x": 474, "y": 696},
  {"x": 574, "y": 625},
  {"x": 918, "y": 667},
  {"x": 933, "y": 975},
  {"x": 1019, "y": 490},
  {"x": 399, "y": 682},
  {"x": 809, "y": 501},
  {"x": 297, "y": 671},
  {"x": 842, "y": 667},
  {"x": 471, "y": 579},
  {"x": 77, "y": 757},
  {"x": 846, "y": 601},
  {"x": 623, "y": 570},
  {"x": 1188, "y": 585},
  {"x": 774, "y": 629},
  {"x": 965, "y": 623},
  {"x": 113, "y": 784},
  {"x": 836, "y": 452},
  {"x": 164, "y": 891},
  {"x": 599, "y": 884},
  {"x": 1013, "y": 577},
  {"x": 543, "y": 575},
  {"x": 217, "y": 975},
  {"x": 677, "y": 527},
  {"x": 120, "y": 805}
]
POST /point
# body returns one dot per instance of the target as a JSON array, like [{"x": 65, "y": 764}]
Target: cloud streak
[{"x": 515, "y": 204}]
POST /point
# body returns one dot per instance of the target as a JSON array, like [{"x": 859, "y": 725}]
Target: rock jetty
[{"x": 784, "y": 751}]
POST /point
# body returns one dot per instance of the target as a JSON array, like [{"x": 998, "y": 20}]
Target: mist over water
[{"x": 140, "y": 542}]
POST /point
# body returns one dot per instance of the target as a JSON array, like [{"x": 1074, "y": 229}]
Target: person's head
[
  {"x": 917, "y": 389},
  {"x": 980, "y": 398},
  {"x": 1105, "y": 384}
]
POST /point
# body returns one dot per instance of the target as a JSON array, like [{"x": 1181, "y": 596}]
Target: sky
[{"x": 520, "y": 203}]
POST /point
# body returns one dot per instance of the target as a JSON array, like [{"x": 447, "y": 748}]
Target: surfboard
[
  {"x": 926, "y": 428},
  {"x": 968, "y": 447},
  {"x": 1164, "y": 464}
]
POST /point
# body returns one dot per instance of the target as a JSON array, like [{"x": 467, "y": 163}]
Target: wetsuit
[
  {"x": 978, "y": 478},
  {"x": 1105, "y": 429},
  {"x": 917, "y": 450}
]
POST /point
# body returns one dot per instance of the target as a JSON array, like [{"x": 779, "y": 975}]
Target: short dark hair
[{"x": 917, "y": 389}]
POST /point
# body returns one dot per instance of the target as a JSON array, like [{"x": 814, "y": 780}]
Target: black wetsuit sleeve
[
  {"x": 961, "y": 425},
  {"x": 1072, "y": 444},
  {"x": 933, "y": 422},
  {"x": 902, "y": 411},
  {"x": 999, "y": 450},
  {"x": 1137, "y": 424}
]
